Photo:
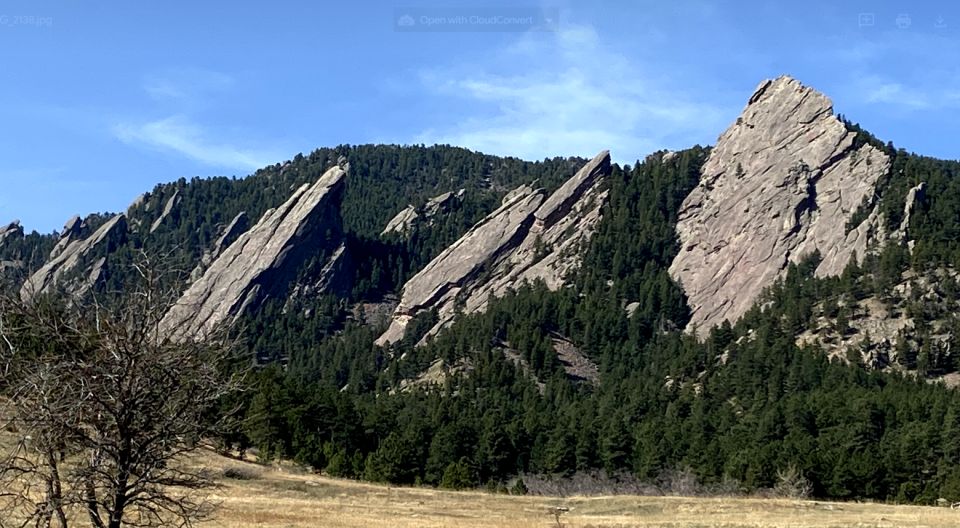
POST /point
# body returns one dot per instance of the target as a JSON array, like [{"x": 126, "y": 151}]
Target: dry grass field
[{"x": 273, "y": 498}]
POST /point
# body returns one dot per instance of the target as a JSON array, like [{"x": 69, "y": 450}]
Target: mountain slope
[{"x": 760, "y": 232}]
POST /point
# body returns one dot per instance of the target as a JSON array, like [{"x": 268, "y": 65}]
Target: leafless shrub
[
  {"x": 680, "y": 481},
  {"x": 792, "y": 484},
  {"x": 727, "y": 487},
  {"x": 595, "y": 482}
]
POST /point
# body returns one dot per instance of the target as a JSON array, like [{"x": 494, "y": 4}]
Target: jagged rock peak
[
  {"x": 73, "y": 229},
  {"x": 262, "y": 262},
  {"x": 781, "y": 183},
  {"x": 530, "y": 236},
  {"x": 11, "y": 230},
  {"x": 560, "y": 202},
  {"x": 73, "y": 256}
]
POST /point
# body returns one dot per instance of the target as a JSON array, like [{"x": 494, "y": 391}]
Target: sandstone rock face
[
  {"x": 263, "y": 261},
  {"x": 335, "y": 277},
  {"x": 530, "y": 236},
  {"x": 230, "y": 234},
  {"x": 405, "y": 219},
  {"x": 913, "y": 195},
  {"x": 74, "y": 229},
  {"x": 10, "y": 231},
  {"x": 781, "y": 183},
  {"x": 172, "y": 202},
  {"x": 74, "y": 255},
  {"x": 402, "y": 221}
]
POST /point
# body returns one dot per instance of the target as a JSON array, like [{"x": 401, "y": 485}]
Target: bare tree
[
  {"x": 101, "y": 409},
  {"x": 792, "y": 484}
]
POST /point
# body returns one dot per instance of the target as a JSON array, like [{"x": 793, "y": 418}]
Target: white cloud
[
  {"x": 920, "y": 80},
  {"x": 895, "y": 94},
  {"x": 569, "y": 94},
  {"x": 180, "y": 95},
  {"x": 179, "y": 134},
  {"x": 933, "y": 94}
]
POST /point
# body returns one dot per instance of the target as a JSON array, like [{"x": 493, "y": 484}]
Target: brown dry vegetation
[{"x": 270, "y": 497}]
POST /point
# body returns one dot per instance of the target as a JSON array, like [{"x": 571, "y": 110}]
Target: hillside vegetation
[{"x": 745, "y": 404}]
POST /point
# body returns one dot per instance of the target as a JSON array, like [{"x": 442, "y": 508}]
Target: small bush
[
  {"x": 241, "y": 473},
  {"x": 519, "y": 488},
  {"x": 792, "y": 484},
  {"x": 681, "y": 481},
  {"x": 457, "y": 476}
]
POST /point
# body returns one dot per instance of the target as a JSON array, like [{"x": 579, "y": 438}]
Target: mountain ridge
[{"x": 555, "y": 343}]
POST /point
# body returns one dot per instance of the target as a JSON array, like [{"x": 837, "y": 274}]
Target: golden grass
[{"x": 284, "y": 499}]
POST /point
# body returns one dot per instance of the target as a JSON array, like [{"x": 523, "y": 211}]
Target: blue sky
[{"x": 99, "y": 101}]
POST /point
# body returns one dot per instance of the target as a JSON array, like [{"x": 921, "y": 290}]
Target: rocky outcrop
[
  {"x": 74, "y": 260},
  {"x": 405, "y": 219},
  {"x": 913, "y": 195},
  {"x": 530, "y": 236},
  {"x": 402, "y": 221},
  {"x": 10, "y": 231},
  {"x": 230, "y": 234},
  {"x": 138, "y": 202},
  {"x": 74, "y": 229},
  {"x": 172, "y": 202},
  {"x": 263, "y": 261},
  {"x": 781, "y": 183},
  {"x": 335, "y": 277}
]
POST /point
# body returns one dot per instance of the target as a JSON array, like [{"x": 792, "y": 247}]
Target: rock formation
[
  {"x": 263, "y": 261},
  {"x": 74, "y": 229},
  {"x": 781, "y": 183},
  {"x": 402, "y": 222},
  {"x": 137, "y": 202},
  {"x": 172, "y": 202},
  {"x": 530, "y": 236},
  {"x": 405, "y": 219},
  {"x": 72, "y": 259},
  {"x": 913, "y": 195},
  {"x": 10, "y": 231},
  {"x": 335, "y": 277},
  {"x": 230, "y": 234}
]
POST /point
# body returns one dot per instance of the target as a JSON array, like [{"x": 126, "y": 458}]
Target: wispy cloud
[
  {"x": 892, "y": 93},
  {"x": 180, "y": 95},
  {"x": 915, "y": 95},
  {"x": 571, "y": 95},
  {"x": 180, "y": 135},
  {"x": 920, "y": 81}
]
